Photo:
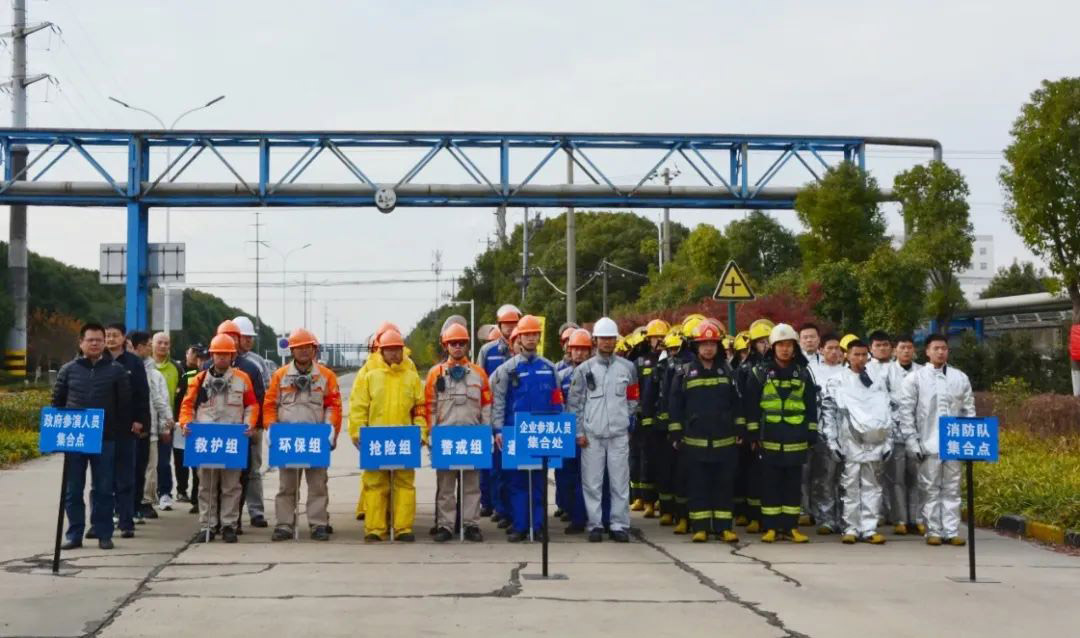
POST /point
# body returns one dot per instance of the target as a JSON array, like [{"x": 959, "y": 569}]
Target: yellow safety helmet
[
  {"x": 742, "y": 341},
  {"x": 657, "y": 328},
  {"x": 689, "y": 324},
  {"x": 760, "y": 329},
  {"x": 673, "y": 340},
  {"x": 847, "y": 339},
  {"x": 728, "y": 342},
  {"x": 621, "y": 346}
]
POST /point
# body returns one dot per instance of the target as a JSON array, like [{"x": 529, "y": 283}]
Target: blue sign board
[
  {"x": 216, "y": 445},
  {"x": 968, "y": 439},
  {"x": 546, "y": 434},
  {"x": 461, "y": 447},
  {"x": 389, "y": 447},
  {"x": 64, "y": 430},
  {"x": 300, "y": 445},
  {"x": 511, "y": 460}
]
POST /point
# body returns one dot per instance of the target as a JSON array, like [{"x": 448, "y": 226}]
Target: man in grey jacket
[{"x": 604, "y": 395}]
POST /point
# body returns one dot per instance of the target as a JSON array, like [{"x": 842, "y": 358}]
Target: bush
[
  {"x": 1011, "y": 392},
  {"x": 1044, "y": 414},
  {"x": 20, "y": 410},
  {"x": 17, "y": 444},
  {"x": 1012, "y": 355}
]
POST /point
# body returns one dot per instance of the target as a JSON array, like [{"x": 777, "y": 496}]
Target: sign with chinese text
[
  {"x": 390, "y": 447},
  {"x": 63, "y": 430},
  {"x": 461, "y": 447},
  {"x": 300, "y": 445},
  {"x": 546, "y": 434},
  {"x": 216, "y": 445},
  {"x": 968, "y": 439}
]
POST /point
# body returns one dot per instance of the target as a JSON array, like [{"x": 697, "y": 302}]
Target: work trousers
[
  {"x": 902, "y": 486},
  {"x": 824, "y": 486},
  {"x": 446, "y": 498},
  {"x": 748, "y": 484},
  {"x": 142, "y": 461},
  {"x": 288, "y": 497},
  {"x": 377, "y": 495},
  {"x": 485, "y": 489},
  {"x": 253, "y": 489},
  {"x": 653, "y": 443},
  {"x": 213, "y": 513},
  {"x": 150, "y": 481},
  {"x": 164, "y": 468},
  {"x": 862, "y": 497},
  {"x": 780, "y": 494},
  {"x": 665, "y": 460},
  {"x": 500, "y": 486},
  {"x": 181, "y": 471},
  {"x": 939, "y": 482},
  {"x": 101, "y": 492},
  {"x": 711, "y": 485},
  {"x": 522, "y": 501},
  {"x": 610, "y": 454}
]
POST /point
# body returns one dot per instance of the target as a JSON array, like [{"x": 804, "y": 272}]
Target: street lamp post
[
  {"x": 168, "y": 164},
  {"x": 284, "y": 261}
]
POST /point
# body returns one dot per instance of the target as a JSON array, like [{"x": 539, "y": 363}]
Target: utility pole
[
  {"x": 258, "y": 264},
  {"x": 665, "y": 249},
  {"x": 500, "y": 225},
  {"x": 571, "y": 248},
  {"x": 525, "y": 257},
  {"x": 436, "y": 267},
  {"x": 18, "y": 277},
  {"x": 604, "y": 271}
]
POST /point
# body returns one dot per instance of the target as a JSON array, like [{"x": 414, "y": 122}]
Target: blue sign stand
[
  {"x": 390, "y": 447},
  {"x": 216, "y": 446},
  {"x": 969, "y": 439},
  {"x": 547, "y": 436}
]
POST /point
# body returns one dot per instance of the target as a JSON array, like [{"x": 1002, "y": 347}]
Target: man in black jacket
[
  {"x": 93, "y": 380},
  {"x": 133, "y": 446}
]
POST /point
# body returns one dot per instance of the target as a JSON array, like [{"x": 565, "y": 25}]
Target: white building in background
[{"x": 975, "y": 279}]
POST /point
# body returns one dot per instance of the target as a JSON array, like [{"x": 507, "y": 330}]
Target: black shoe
[
  {"x": 496, "y": 518},
  {"x": 433, "y": 530},
  {"x": 360, "y": 516},
  {"x": 105, "y": 543},
  {"x": 620, "y": 536},
  {"x": 442, "y": 535},
  {"x": 90, "y": 533},
  {"x": 504, "y": 523},
  {"x": 139, "y": 518},
  {"x": 127, "y": 533},
  {"x": 407, "y": 537},
  {"x": 473, "y": 535},
  {"x": 228, "y": 534},
  {"x": 516, "y": 537},
  {"x": 182, "y": 497},
  {"x": 373, "y": 538},
  {"x": 486, "y": 512},
  {"x": 71, "y": 545},
  {"x": 559, "y": 513},
  {"x": 259, "y": 521},
  {"x": 596, "y": 535},
  {"x": 565, "y": 517},
  {"x": 329, "y": 528},
  {"x": 281, "y": 534},
  {"x": 574, "y": 529},
  {"x": 203, "y": 537},
  {"x": 148, "y": 511},
  {"x": 320, "y": 533},
  {"x": 194, "y": 509},
  {"x": 538, "y": 536}
]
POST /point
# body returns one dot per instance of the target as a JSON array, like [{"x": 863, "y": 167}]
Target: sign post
[
  {"x": 547, "y": 436},
  {"x": 389, "y": 448},
  {"x": 461, "y": 447},
  {"x": 63, "y": 430},
  {"x": 298, "y": 446},
  {"x": 969, "y": 440},
  {"x": 733, "y": 287}
]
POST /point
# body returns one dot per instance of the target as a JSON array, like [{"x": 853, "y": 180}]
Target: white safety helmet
[
  {"x": 247, "y": 329},
  {"x": 782, "y": 332},
  {"x": 605, "y": 327}
]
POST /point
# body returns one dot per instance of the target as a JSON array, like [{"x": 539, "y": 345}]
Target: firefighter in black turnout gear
[{"x": 644, "y": 453}]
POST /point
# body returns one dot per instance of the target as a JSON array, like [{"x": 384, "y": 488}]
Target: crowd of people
[{"x": 768, "y": 430}]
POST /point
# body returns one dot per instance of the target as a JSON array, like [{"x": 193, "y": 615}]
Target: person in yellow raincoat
[{"x": 389, "y": 392}]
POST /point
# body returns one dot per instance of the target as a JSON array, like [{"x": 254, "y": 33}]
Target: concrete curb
[{"x": 1039, "y": 531}]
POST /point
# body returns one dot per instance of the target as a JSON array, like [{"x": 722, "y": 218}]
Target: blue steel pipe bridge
[{"x": 494, "y": 169}]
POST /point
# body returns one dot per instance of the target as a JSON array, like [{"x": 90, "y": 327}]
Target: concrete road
[{"x": 159, "y": 584}]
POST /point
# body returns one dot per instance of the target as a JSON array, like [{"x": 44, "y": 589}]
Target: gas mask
[
  {"x": 216, "y": 386},
  {"x": 457, "y": 373},
  {"x": 302, "y": 382}
]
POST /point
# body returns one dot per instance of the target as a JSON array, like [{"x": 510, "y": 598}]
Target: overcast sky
[{"x": 955, "y": 71}]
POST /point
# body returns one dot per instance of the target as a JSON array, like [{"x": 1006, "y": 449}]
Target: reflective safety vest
[
  {"x": 791, "y": 410},
  {"x": 787, "y": 423}
]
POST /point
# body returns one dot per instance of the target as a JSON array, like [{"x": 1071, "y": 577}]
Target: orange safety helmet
[
  {"x": 507, "y": 313},
  {"x": 300, "y": 337},
  {"x": 514, "y": 334},
  {"x": 222, "y": 344},
  {"x": 391, "y": 339},
  {"x": 580, "y": 338},
  {"x": 528, "y": 325},
  {"x": 454, "y": 332},
  {"x": 706, "y": 331},
  {"x": 228, "y": 327},
  {"x": 494, "y": 334},
  {"x": 566, "y": 334}
]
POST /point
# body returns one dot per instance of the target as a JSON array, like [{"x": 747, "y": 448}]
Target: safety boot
[
  {"x": 769, "y": 536},
  {"x": 681, "y": 527},
  {"x": 956, "y": 541},
  {"x": 282, "y": 534},
  {"x": 667, "y": 520},
  {"x": 741, "y": 520},
  {"x": 876, "y": 539},
  {"x": 900, "y": 529},
  {"x": 320, "y": 533},
  {"x": 921, "y": 529},
  {"x": 754, "y": 527},
  {"x": 730, "y": 536},
  {"x": 650, "y": 510},
  {"x": 848, "y": 539},
  {"x": 798, "y": 537},
  {"x": 804, "y": 519},
  {"x": 700, "y": 537},
  {"x": 637, "y": 505},
  {"x": 933, "y": 540},
  {"x": 824, "y": 530}
]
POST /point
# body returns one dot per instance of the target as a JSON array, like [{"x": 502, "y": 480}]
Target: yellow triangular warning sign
[{"x": 733, "y": 285}]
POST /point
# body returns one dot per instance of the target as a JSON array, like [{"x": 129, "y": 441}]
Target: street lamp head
[
  {"x": 120, "y": 102},
  {"x": 305, "y": 246},
  {"x": 214, "y": 101}
]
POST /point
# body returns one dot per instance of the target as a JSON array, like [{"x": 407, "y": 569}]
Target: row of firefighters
[{"x": 769, "y": 429}]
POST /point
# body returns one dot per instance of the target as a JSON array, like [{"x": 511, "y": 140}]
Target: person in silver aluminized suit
[{"x": 824, "y": 475}]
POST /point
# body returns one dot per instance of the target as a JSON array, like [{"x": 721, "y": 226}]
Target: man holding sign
[
  {"x": 303, "y": 392},
  {"x": 93, "y": 380},
  {"x": 220, "y": 394},
  {"x": 457, "y": 393},
  {"x": 931, "y": 392}
]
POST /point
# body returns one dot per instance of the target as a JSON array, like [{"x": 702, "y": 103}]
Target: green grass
[
  {"x": 17, "y": 445},
  {"x": 1037, "y": 476},
  {"x": 19, "y": 423}
]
